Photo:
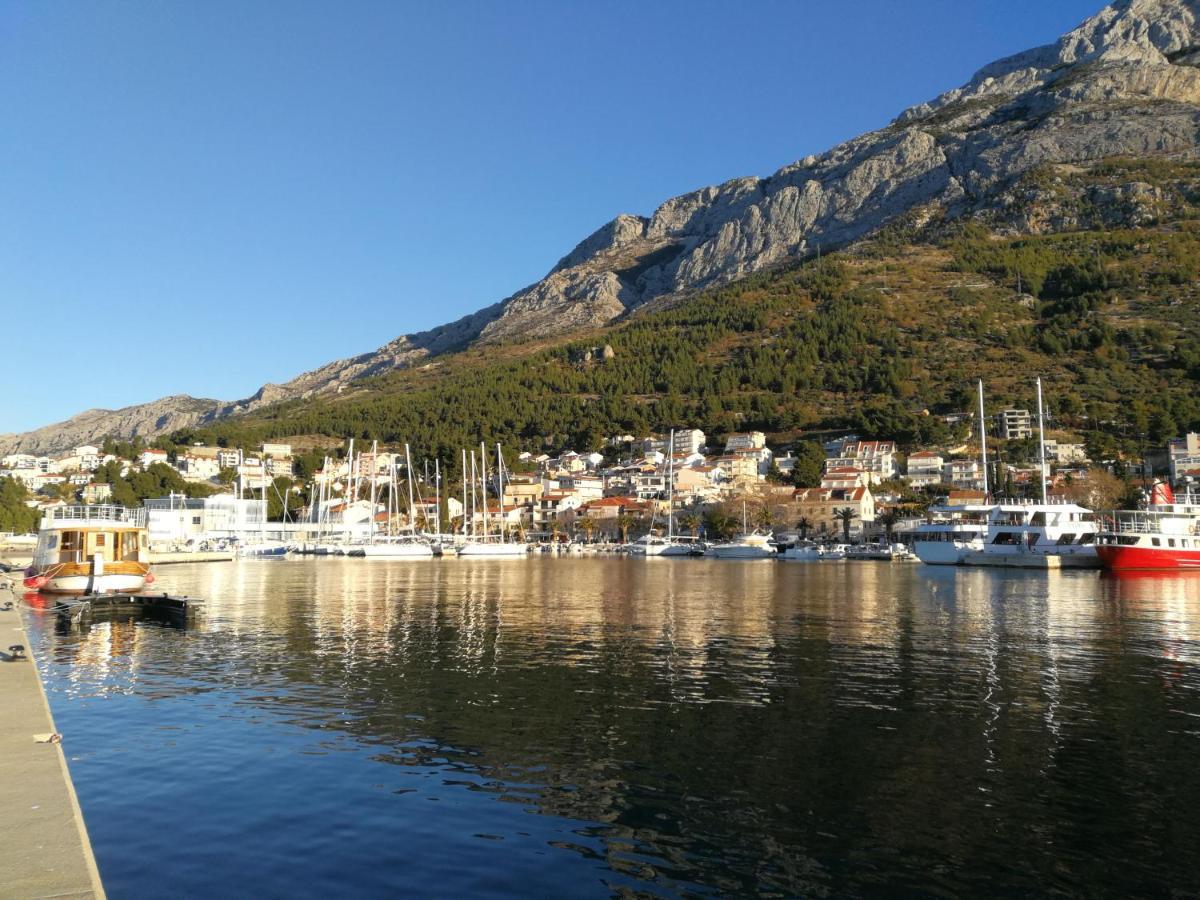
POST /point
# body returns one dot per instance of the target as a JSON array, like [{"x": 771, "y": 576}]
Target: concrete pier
[{"x": 44, "y": 846}]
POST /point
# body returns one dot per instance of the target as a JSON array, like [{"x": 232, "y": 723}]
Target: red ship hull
[{"x": 1117, "y": 557}]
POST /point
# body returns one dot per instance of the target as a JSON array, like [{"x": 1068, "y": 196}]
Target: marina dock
[{"x": 44, "y": 846}]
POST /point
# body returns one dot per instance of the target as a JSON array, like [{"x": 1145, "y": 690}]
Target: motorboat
[{"x": 90, "y": 550}]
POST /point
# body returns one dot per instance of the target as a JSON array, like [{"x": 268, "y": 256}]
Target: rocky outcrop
[
  {"x": 145, "y": 420},
  {"x": 1124, "y": 83}
]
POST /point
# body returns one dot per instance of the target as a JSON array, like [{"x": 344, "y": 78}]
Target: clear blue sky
[{"x": 202, "y": 196}]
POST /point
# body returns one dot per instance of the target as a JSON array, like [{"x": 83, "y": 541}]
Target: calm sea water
[{"x": 589, "y": 727}]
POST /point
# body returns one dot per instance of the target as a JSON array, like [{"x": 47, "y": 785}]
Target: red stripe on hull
[{"x": 1117, "y": 557}]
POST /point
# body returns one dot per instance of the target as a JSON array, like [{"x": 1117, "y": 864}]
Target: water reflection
[{"x": 675, "y": 727}]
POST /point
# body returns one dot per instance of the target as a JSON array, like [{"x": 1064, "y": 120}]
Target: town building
[
  {"x": 963, "y": 473},
  {"x": 876, "y": 458},
  {"x": 1183, "y": 456},
  {"x": 819, "y": 506},
  {"x": 1014, "y": 424},
  {"x": 924, "y": 468}
]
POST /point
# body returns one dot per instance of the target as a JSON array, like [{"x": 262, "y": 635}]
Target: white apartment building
[
  {"x": 1184, "y": 456},
  {"x": 963, "y": 473},
  {"x": 1014, "y": 424},
  {"x": 924, "y": 468},
  {"x": 876, "y": 458},
  {"x": 751, "y": 440}
]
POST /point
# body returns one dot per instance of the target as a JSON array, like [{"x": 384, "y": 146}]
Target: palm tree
[
  {"x": 689, "y": 522},
  {"x": 888, "y": 519},
  {"x": 803, "y": 527},
  {"x": 587, "y": 525},
  {"x": 624, "y": 522},
  {"x": 719, "y": 524},
  {"x": 845, "y": 515}
]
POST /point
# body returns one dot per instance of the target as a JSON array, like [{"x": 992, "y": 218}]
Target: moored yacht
[
  {"x": 951, "y": 533},
  {"x": 1024, "y": 534},
  {"x": 90, "y": 550},
  {"x": 1165, "y": 535}
]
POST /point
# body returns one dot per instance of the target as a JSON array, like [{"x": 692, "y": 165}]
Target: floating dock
[{"x": 44, "y": 847}]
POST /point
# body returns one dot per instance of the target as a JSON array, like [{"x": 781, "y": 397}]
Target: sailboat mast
[
  {"x": 483, "y": 483},
  {"x": 500, "y": 488},
  {"x": 983, "y": 442},
  {"x": 671, "y": 486},
  {"x": 437, "y": 493},
  {"x": 412, "y": 510},
  {"x": 464, "y": 481},
  {"x": 1041, "y": 441}
]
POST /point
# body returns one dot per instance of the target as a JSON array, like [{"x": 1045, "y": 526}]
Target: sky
[{"x": 202, "y": 197}]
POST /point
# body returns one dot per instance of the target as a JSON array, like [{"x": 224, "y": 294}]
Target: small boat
[
  {"x": 91, "y": 550},
  {"x": 493, "y": 550},
  {"x": 801, "y": 553},
  {"x": 747, "y": 545},
  {"x": 833, "y": 551}
]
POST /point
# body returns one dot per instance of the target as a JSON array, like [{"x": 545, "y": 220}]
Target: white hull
[
  {"x": 945, "y": 553},
  {"x": 801, "y": 554},
  {"x": 483, "y": 550},
  {"x": 94, "y": 584},
  {"x": 394, "y": 551},
  {"x": 738, "y": 551},
  {"x": 1083, "y": 558}
]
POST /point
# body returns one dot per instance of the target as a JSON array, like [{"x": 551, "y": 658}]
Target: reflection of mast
[{"x": 1041, "y": 442}]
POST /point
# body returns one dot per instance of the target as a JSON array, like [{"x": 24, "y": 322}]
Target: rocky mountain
[{"x": 1124, "y": 83}]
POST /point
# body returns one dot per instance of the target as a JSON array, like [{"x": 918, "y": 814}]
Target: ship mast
[
  {"x": 983, "y": 443},
  {"x": 1041, "y": 442}
]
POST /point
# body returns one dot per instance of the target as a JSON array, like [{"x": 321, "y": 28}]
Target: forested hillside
[{"x": 883, "y": 337}]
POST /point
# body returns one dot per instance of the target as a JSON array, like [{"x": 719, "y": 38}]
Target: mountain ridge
[{"x": 1124, "y": 82}]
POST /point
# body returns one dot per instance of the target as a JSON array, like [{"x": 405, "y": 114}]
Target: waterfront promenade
[{"x": 44, "y": 846}]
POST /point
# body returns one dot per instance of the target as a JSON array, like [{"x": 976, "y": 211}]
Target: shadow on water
[{"x": 594, "y": 726}]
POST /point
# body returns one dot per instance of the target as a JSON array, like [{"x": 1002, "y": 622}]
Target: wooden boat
[{"x": 90, "y": 550}]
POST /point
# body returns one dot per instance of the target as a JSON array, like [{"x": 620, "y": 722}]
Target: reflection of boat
[
  {"x": 1166, "y": 535},
  {"x": 90, "y": 549}
]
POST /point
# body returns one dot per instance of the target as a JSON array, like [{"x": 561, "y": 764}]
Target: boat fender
[{"x": 149, "y": 578}]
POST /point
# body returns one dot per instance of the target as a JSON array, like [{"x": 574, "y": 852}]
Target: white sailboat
[
  {"x": 488, "y": 545},
  {"x": 391, "y": 545},
  {"x": 657, "y": 545}
]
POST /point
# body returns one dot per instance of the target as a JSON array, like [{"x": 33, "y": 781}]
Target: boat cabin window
[
  {"x": 1007, "y": 537},
  {"x": 72, "y": 547},
  {"x": 1039, "y": 519},
  {"x": 1087, "y": 517},
  {"x": 1088, "y": 537},
  {"x": 1170, "y": 542},
  {"x": 52, "y": 542},
  {"x": 1156, "y": 542},
  {"x": 129, "y": 545},
  {"x": 101, "y": 537},
  {"x": 1065, "y": 538}
]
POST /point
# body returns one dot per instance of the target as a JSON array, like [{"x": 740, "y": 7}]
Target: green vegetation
[
  {"x": 159, "y": 480},
  {"x": 15, "y": 516},
  {"x": 880, "y": 339}
]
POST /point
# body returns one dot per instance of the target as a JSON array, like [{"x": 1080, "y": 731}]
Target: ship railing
[
  {"x": 104, "y": 513},
  {"x": 1142, "y": 523}
]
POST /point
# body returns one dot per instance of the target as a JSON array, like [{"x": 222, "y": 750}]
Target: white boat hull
[
  {"x": 493, "y": 551},
  {"x": 93, "y": 584},
  {"x": 944, "y": 553},
  {"x": 394, "y": 551},
  {"x": 738, "y": 552},
  {"x": 801, "y": 554}
]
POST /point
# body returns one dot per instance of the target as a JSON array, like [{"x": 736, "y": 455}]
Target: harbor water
[{"x": 598, "y": 726}]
